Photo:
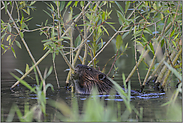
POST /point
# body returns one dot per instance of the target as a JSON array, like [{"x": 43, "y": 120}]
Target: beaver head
[{"x": 86, "y": 78}]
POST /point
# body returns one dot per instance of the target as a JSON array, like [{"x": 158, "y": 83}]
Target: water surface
[{"x": 151, "y": 103}]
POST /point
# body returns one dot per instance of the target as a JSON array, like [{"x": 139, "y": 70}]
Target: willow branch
[
  {"x": 160, "y": 36},
  {"x": 31, "y": 68},
  {"x": 27, "y": 48},
  {"x": 105, "y": 45}
]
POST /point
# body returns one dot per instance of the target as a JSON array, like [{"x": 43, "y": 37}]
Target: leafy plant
[
  {"x": 95, "y": 108},
  {"x": 38, "y": 110}
]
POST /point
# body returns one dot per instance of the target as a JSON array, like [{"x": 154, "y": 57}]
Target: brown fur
[{"x": 86, "y": 78}]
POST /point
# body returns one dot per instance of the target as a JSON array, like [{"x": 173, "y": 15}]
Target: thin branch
[
  {"x": 113, "y": 62},
  {"x": 136, "y": 51},
  {"x": 105, "y": 45},
  {"x": 152, "y": 63},
  {"x": 27, "y": 48},
  {"x": 44, "y": 56}
]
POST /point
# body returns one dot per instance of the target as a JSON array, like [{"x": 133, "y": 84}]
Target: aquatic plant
[
  {"x": 37, "y": 111},
  {"x": 154, "y": 25},
  {"x": 97, "y": 109}
]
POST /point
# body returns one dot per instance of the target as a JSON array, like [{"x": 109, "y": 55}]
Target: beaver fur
[{"x": 86, "y": 78}]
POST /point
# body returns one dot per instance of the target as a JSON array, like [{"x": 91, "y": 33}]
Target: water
[{"x": 151, "y": 103}]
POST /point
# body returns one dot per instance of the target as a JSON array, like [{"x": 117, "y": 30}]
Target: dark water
[{"x": 150, "y": 103}]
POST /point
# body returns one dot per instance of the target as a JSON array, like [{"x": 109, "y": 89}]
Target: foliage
[
  {"x": 155, "y": 27},
  {"x": 38, "y": 110},
  {"x": 95, "y": 108},
  {"x": 23, "y": 7}
]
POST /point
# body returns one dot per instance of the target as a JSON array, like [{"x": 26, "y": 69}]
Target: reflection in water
[{"x": 118, "y": 98}]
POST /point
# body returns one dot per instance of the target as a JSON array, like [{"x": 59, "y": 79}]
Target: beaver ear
[{"x": 101, "y": 76}]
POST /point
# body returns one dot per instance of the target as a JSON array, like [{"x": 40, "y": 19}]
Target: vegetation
[{"x": 155, "y": 26}]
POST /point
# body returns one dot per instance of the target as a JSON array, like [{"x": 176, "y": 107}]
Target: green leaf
[
  {"x": 121, "y": 92},
  {"x": 126, "y": 46},
  {"x": 2, "y": 37},
  {"x": 19, "y": 71},
  {"x": 24, "y": 83},
  {"x": 65, "y": 37},
  {"x": 2, "y": 46},
  {"x": 47, "y": 13},
  {"x": 144, "y": 39},
  {"x": 177, "y": 74},
  {"x": 172, "y": 33},
  {"x": 119, "y": 41},
  {"x": 26, "y": 11},
  {"x": 119, "y": 6},
  {"x": 13, "y": 52},
  {"x": 176, "y": 36},
  {"x": 162, "y": 42},
  {"x": 124, "y": 35},
  {"x": 127, "y": 5},
  {"x": 162, "y": 16},
  {"x": 28, "y": 19},
  {"x": 103, "y": 16},
  {"x": 21, "y": 35},
  {"x": 68, "y": 3},
  {"x": 18, "y": 44},
  {"x": 50, "y": 70},
  {"x": 19, "y": 113},
  {"x": 173, "y": 42},
  {"x": 9, "y": 27},
  {"x": 109, "y": 23},
  {"x": 46, "y": 22},
  {"x": 140, "y": 43},
  {"x": 151, "y": 47},
  {"x": 8, "y": 37},
  {"x": 27, "y": 68},
  {"x": 76, "y": 3},
  {"x": 21, "y": 20},
  {"x": 49, "y": 85},
  {"x": 154, "y": 6},
  {"x": 10, "y": 43},
  {"x": 105, "y": 30},
  {"x": 32, "y": 3},
  {"x": 122, "y": 17},
  {"x": 77, "y": 41},
  {"x": 52, "y": 7},
  {"x": 147, "y": 30},
  {"x": 62, "y": 5},
  {"x": 81, "y": 3}
]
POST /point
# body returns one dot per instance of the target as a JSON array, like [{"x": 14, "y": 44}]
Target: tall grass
[{"x": 97, "y": 109}]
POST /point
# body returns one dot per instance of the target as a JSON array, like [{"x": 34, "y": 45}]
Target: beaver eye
[{"x": 101, "y": 77}]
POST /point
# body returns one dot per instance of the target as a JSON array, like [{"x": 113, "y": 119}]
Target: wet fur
[{"x": 86, "y": 78}]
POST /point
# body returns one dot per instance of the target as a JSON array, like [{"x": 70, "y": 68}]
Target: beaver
[{"x": 86, "y": 78}]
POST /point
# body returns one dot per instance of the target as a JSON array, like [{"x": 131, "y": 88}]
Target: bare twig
[
  {"x": 113, "y": 62},
  {"x": 136, "y": 51},
  {"x": 55, "y": 72}
]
